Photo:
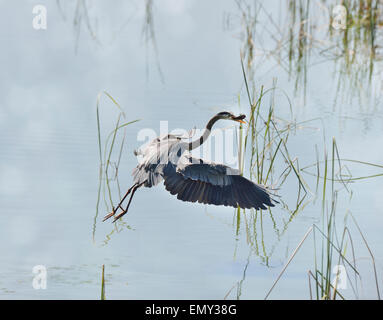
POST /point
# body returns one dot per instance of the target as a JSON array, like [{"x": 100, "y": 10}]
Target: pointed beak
[{"x": 239, "y": 118}]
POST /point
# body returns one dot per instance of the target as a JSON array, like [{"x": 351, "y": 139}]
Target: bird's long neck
[{"x": 196, "y": 143}]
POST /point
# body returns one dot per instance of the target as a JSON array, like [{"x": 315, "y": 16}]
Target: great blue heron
[{"x": 166, "y": 158}]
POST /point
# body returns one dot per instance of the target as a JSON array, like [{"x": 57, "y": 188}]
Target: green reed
[
  {"x": 103, "y": 297},
  {"x": 265, "y": 138},
  {"x": 332, "y": 250},
  {"x": 110, "y": 154},
  {"x": 332, "y": 247},
  {"x": 309, "y": 34},
  {"x": 265, "y": 141}
]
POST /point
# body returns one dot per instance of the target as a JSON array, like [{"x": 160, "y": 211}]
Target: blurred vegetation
[{"x": 306, "y": 33}]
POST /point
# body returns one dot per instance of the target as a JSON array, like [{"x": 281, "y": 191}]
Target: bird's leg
[
  {"x": 119, "y": 205},
  {"x": 130, "y": 200}
]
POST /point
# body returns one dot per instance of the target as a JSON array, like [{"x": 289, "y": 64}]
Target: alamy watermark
[
  {"x": 174, "y": 145},
  {"x": 40, "y": 279},
  {"x": 39, "y": 21},
  {"x": 339, "y": 17},
  {"x": 340, "y": 279}
]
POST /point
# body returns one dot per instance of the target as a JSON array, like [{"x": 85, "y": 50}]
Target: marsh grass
[
  {"x": 329, "y": 236},
  {"x": 265, "y": 140},
  {"x": 103, "y": 297},
  {"x": 353, "y": 48},
  {"x": 305, "y": 36},
  {"x": 110, "y": 155},
  {"x": 333, "y": 246}
]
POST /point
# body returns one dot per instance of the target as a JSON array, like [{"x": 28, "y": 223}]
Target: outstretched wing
[{"x": 209, "y": 183}]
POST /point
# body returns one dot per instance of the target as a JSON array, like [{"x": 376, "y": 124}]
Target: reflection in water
[
  {"x": 239, "y": 284},
  {"x": 80, "y": 17},
  {"x": 83, "y": 16},
  {"x": 148, "y": 32},
  {"x": 316, "y": 32},
  {"x": 110, "y": 154}
]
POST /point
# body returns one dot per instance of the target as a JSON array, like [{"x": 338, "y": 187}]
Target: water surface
[{"x": 164, "y": 249}]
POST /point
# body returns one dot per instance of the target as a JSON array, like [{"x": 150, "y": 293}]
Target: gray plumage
[
  {"x": 156, "y": 156},
  {"x": 168, "y": 159}
]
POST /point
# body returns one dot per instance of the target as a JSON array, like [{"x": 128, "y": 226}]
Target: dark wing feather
[{"x": 209, "y": 183}]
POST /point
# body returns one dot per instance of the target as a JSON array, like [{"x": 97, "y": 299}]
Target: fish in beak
[{"x": 239, "y": 118}]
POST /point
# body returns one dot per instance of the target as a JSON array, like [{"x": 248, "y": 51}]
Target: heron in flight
[{"x": 168, "y": 159}]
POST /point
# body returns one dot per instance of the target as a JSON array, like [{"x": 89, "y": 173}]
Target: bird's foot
[
  {"x": 119, "y": 215},
  {"x": 109, "y": 215},
  {"x": 114, "y": 211}
]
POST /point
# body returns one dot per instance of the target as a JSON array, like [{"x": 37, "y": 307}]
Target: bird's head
[{"x": 229, "y": 116}]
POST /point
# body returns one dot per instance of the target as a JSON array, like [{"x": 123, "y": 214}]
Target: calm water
[{"x": 165, "y": 248}]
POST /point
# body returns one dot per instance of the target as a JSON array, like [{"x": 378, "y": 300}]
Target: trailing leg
[
  {"x": 130, "y": 200},
  {"x": 119, "y": 205}
]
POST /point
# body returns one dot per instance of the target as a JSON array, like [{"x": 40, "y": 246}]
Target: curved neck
[{"x": 196, "y": 143}]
